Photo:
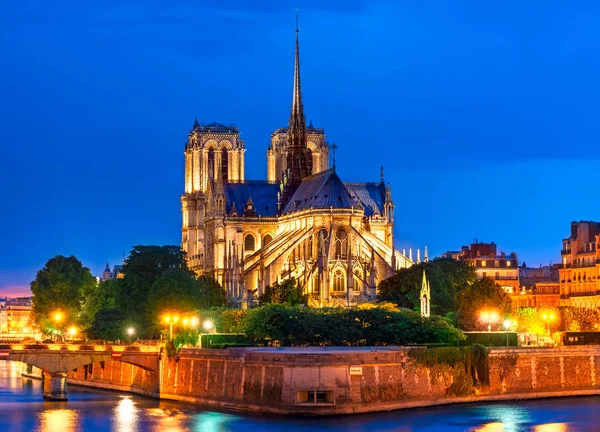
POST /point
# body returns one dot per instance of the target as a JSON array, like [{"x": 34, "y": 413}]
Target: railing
[{"x": 80, "y": 347}]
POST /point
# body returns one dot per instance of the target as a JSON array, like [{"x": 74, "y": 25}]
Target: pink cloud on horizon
[{"x": 15, "y": 291}]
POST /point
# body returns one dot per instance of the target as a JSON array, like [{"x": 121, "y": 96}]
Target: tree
[
  {"x": 108, "y": 324},
  {"x": 142, "y": 267},
  {"x": 211, "y": 293},
  {"x": 446, "y": 278},
  {"x": 61, "y": 285},
  {"x": 286, "y": 292},
  {"x": 102, "y": 297},
  {"x": 484, "y": 294},
  {"x": 174, "y": 291}
]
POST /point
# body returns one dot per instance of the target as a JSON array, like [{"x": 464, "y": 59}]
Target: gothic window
[
  {"x": 249, "y": 244},
  {"x": 224, "y": 164},
  {"x": 341, "y": 244},
  {"x": 339, "y": 281},
  {"x": 267, "y": 239},
  {"x": 357, "y": 282},
  {"x": 211, "y": 163}
]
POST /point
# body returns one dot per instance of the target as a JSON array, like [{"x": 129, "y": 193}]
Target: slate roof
[
  {"x": 322, "y": 190},
  {"x": 370, "y": 195},
  {"x": 263, "y": 194}
]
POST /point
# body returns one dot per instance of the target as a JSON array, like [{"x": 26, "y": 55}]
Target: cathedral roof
[
  {"x": 215, "y": 127},
  {"x": 263, "y": 195},
  {"x": 370, "y": 195},
  {"x": 321, "y": 190}
]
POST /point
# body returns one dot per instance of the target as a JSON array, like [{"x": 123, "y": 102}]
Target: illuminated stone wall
[{"x": 381, "y": 379}]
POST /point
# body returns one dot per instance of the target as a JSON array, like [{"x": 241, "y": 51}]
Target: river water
[{"x": 23, "y": 409}]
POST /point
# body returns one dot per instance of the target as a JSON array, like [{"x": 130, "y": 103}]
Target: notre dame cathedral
[{"x": 334, "y": 238}]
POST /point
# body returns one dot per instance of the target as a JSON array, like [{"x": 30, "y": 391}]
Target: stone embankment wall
[{"x": 314, "y": 381}]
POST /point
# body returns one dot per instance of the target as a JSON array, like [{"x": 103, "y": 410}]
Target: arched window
[
  {"x": 267, "y": 239},
  {"x": 211, "y": 163},
  {"x": 249, "y": 243},
  {"x": 224, "y": 164},
  {"x": 339, "y": 281},
  {"x": 357, "y": 281},
  {"x": 341, "y": 244}
]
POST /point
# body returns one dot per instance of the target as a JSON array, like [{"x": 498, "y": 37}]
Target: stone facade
[
  {"x": 580, "y": 270},
  {"x": 319, "y": 381},
  {"x": 334, "y": 238}
]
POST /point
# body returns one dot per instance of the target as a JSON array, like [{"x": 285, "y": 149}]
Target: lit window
[
  {"x": 496, "y": 263},
  {"x": 483, "y": 263},
  {"x": 507, "y": 263}
]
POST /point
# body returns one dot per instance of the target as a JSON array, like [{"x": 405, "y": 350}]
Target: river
[{"x": 23, "y": 409}]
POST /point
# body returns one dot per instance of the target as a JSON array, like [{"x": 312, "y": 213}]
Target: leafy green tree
[
  {"x": 446, "y": 277},
  {"x": 61, "y": 285},
  {"x": 286, "y": 292},
  {"x": 108, "y": 324},
  {"x": 143, "y": 266},
  {"x": 484, "y": 294},
  {"x": 104, "y": 296},
  {"x": 174, "y": 291},
  {"x": 211, "y": 293}
]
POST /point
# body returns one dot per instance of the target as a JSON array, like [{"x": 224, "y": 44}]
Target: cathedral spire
[{"x": 299, "y": 158}]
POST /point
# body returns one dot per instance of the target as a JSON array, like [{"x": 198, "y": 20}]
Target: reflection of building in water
[
  {"x": 15, "y": 314},
  {"x": 334, "y": 237}
]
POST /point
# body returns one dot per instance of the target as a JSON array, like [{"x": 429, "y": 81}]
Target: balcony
[{"x": 565, "y": 252}]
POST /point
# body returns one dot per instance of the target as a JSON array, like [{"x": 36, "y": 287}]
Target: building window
[
  {"x": 496, "y": 263},
  {"x": 267, "y": 239},
  {"x": 211, "y": 163},
  {"x": 483, "y": 263},
  {"x": 249, "y": 243},
  {"x": 507, "y": 263},
  {"x": 315, "y": 397},
  {"x": 339, "y": 281},
  {"x": 224, "y": 164},
  {"x": 341, "y": 244}
]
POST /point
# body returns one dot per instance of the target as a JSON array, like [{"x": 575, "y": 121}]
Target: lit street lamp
[
  {"x": 130, "y": 332},
  {"x": 72, "y": 332},
  {"x": 490, "y": 317},
  {"x": 171, "y": 320},
  {"x": 506, "y": 324},
  {"x": 548, "y": 318},
  {"x": 208, "y": 325}
]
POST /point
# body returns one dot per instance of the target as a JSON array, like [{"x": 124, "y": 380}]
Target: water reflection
[
  {"x": 59, "y": 420},
  {"x": 22, "y": 409},
  {"x": 126, "y": 415}
]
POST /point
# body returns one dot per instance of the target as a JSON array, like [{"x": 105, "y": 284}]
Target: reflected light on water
[
  {"x": 126, "y": 415},
  {"x": 552, "y": 427},
  {"x": 62, "y": 420},
  {"x": 489, "y": 427},
  {"x": 212, "y": 422},
  {"x": 169, "y": 420}
]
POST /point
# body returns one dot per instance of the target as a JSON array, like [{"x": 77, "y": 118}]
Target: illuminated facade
[
  {"x": 502, "y": 268},
  {"x": 579, "y": 273},
  {"x": 14, "y": 315},
  {"x": 335, "y": 238}
]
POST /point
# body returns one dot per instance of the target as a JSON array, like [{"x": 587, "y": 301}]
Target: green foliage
[
  {"x": 577, "y": 319},
  {"x": 287, "y": 292},
  {"x": 173, "y": 290},
  {"x": 495, "y": 339},
  {"x": 447, "y": 277},
  {"x": 108, "y": 324},
  {"x": 102, "y": 297},
  {"x": 211, "y": 293},
  {"x": 291, "y": 326},
  {"x": 220, "y": 340},
  {"x": 62, "y": 284},
  {"x": 484, "y": 294},
  {"x": 186, "y": 337},
  {"x": 143, "y": 266},
  {"x": 225, "y": 320},
  {"x": 468, "y": 366}
]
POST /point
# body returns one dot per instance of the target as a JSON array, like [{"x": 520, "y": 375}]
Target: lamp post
[
  {"x": 490, "y": 317},
  {"x": 506, "y": 324},
  {"x": 130, "y": 332},
  {"x": 57, "y": 317},
  {"x": 548, "y": 318},
  {"x": 171, "y": 320}
]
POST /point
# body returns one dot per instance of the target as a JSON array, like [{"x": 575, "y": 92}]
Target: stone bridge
[{"x": 56, "y": 361}]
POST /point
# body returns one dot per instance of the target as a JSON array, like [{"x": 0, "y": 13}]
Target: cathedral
[{"x": 334, "y": 238}]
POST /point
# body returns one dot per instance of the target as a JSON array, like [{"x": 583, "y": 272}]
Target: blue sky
[{"x": 484, "y": 115}]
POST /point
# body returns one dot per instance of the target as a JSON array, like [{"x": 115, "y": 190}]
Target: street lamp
[
  {"x": 171, "y": 320},
  {"x": 490, "y": 317},
  {"x": 57, "y": 317},
  {"x": 548, "y": 318},
  {"x": 72, "y": 332},
  {"x": 208, "y": 325}
]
